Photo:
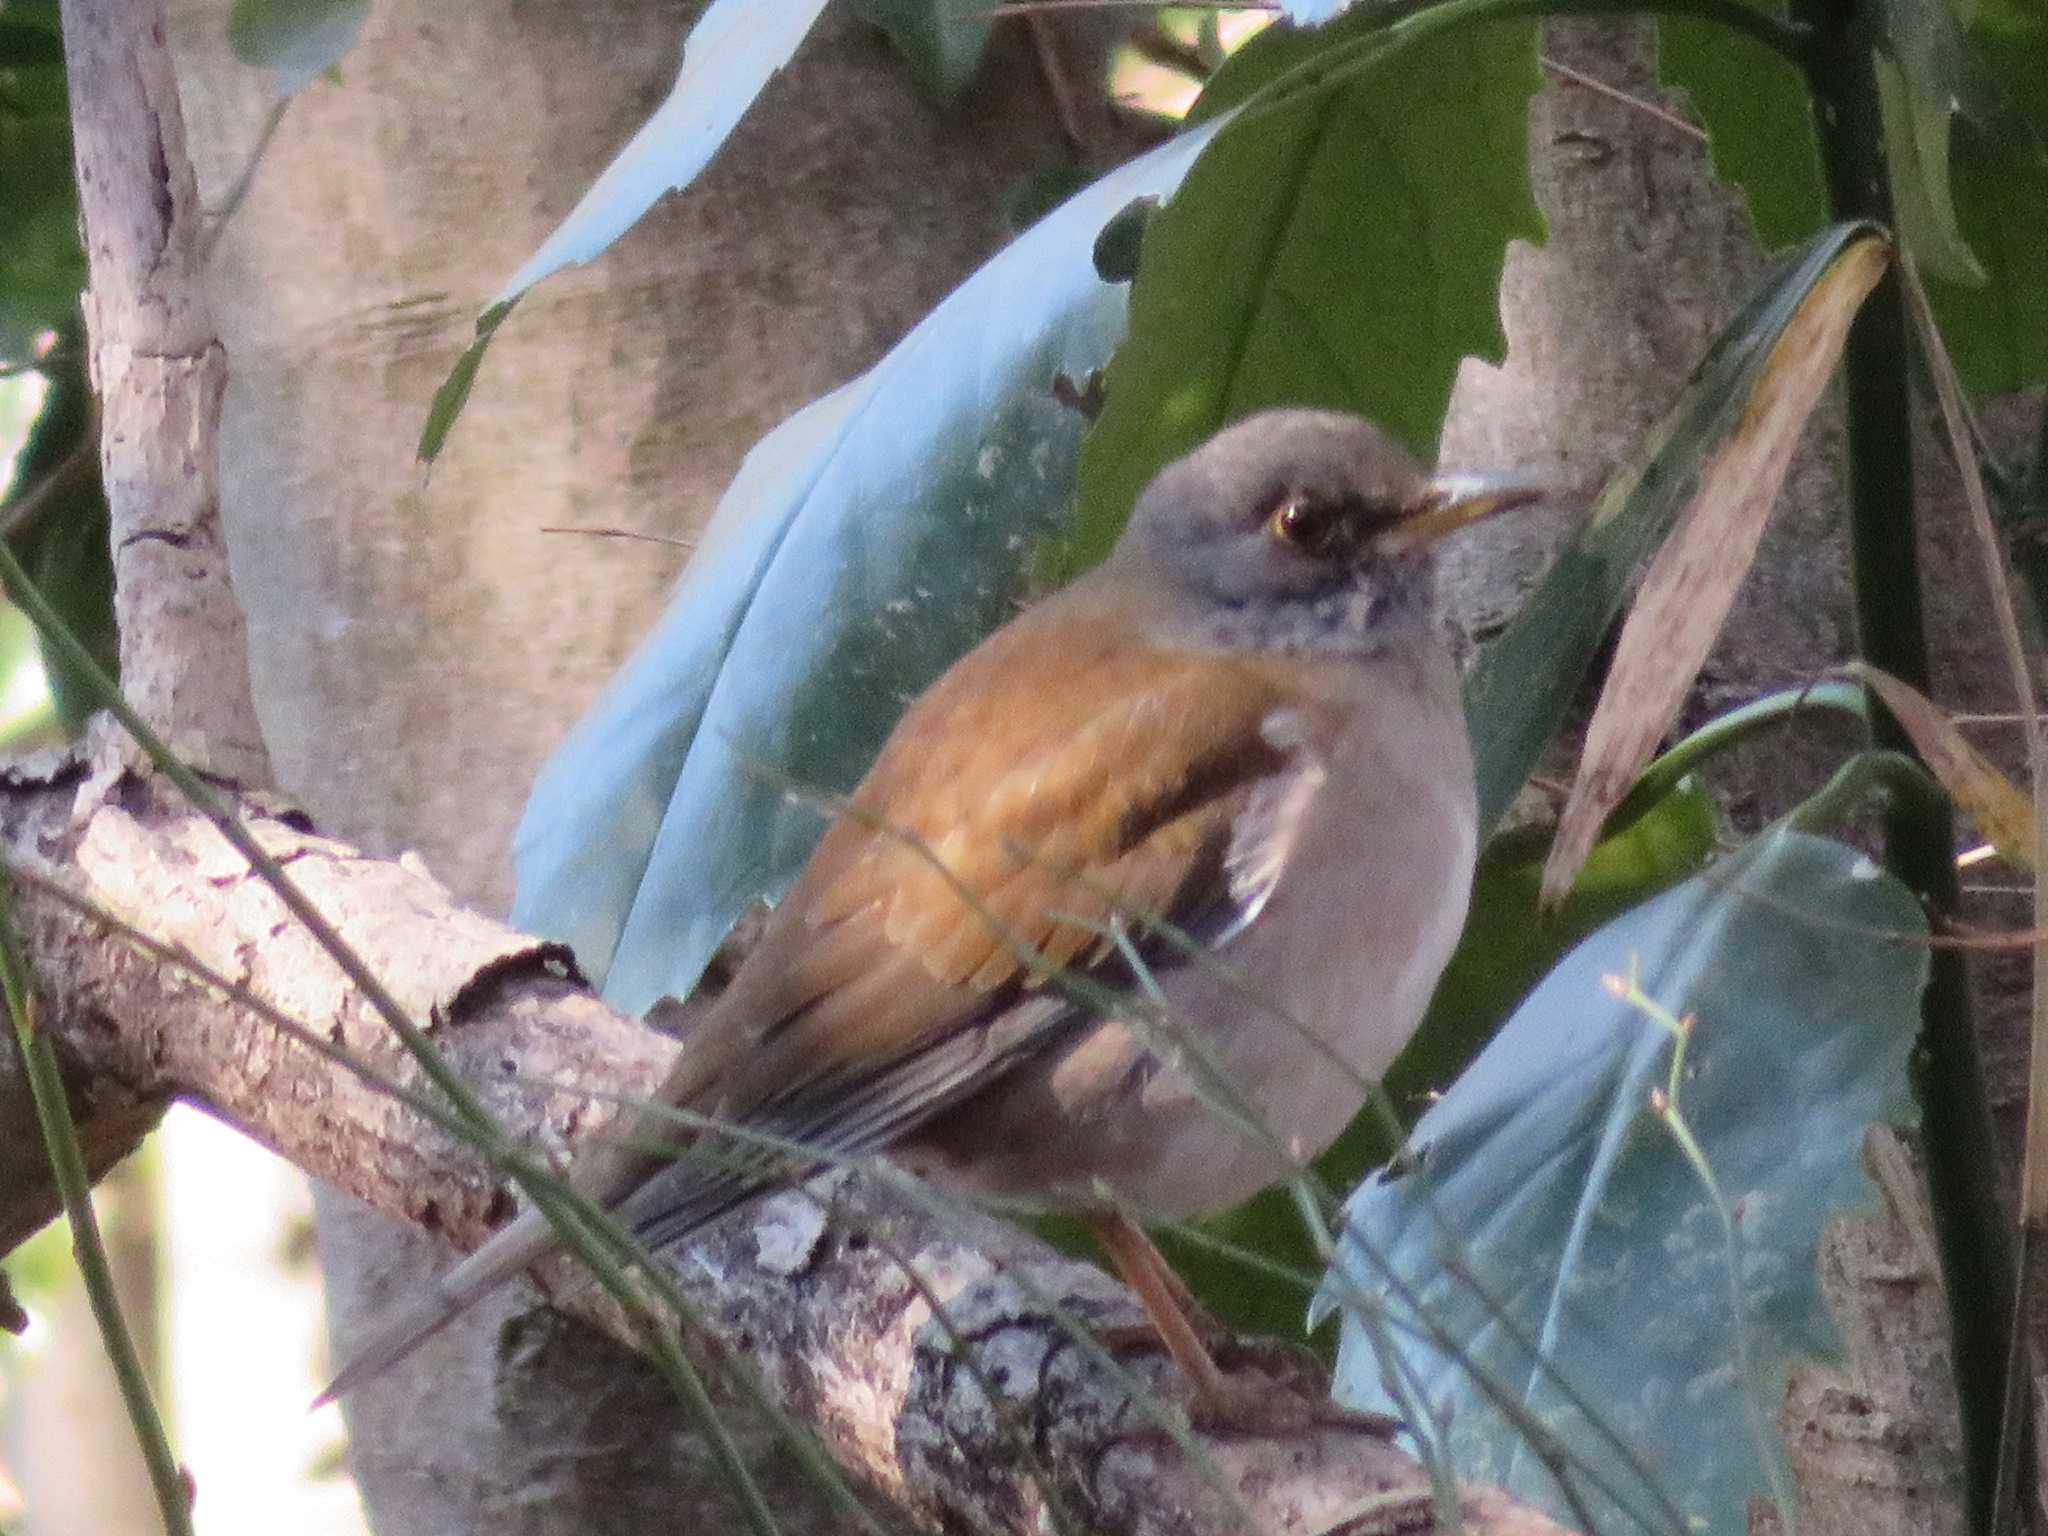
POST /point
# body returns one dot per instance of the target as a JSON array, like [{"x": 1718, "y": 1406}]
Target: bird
[{"x": 1137, "y": 900}]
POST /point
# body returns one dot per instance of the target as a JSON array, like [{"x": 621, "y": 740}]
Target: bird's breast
[{"x": 1311, "y": 1001}]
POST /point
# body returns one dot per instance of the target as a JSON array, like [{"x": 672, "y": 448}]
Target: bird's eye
[{"x": 1314, "y": 527}]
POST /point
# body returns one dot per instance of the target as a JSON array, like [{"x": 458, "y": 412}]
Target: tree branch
[
  {"x": 817, "y": 1304},
  {"x": 160, "y": 371}
]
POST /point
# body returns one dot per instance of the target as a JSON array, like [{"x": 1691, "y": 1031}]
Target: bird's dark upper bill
[{"x": 1451, "y": 502}]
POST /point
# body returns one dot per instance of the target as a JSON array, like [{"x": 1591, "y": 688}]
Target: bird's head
[{"x": 1308, "y": 527}]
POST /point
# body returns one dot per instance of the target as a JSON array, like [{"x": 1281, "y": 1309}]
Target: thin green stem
[
  {"x": 1730, "y": 730},
  {"x": 1665, "y": 1104},
  {"x": 74, "y": 1186},
  {"x": 1962, "y": 1156}
]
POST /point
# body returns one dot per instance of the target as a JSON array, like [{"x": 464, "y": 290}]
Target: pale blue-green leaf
[
  {"x": 299, "y": 40},
  {"x": 733, "y": 51},
  {"x": 1547, "y": 1188},
  {"x": 867, "y": 542}
]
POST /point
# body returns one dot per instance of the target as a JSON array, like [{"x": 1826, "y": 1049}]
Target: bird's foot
[
  {"x": 1253, "y": 1387},
  {"x": 1260, "y": 1407},
  {"x": 1268, "y": 1387}
]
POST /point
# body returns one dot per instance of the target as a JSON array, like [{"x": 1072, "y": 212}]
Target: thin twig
[
  {"x": 1664, "y": 1104},
  {"x": 1649, "y": 109},
  {"x": 1046, "y": 7},
  {"x": 624, "y": 533},
  {"x": 246, "y": 178}
]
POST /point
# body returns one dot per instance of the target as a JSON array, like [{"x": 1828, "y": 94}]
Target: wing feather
[{"x": 1010, "y": 819}]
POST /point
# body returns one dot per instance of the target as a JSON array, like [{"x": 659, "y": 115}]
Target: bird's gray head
[{"x": 1301, "y": 530}]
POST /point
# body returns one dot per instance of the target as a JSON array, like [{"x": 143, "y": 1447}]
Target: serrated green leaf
[
  {"x": 942, "y": 40},
  {"x": 1574, "y": 1216},
  {"x": 1340, "y": 247},
  {"x": 299, "y": 40},
  {"x": 1758, "y": 115}
]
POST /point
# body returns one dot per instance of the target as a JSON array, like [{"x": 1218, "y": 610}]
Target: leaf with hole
[{"x": 1339, "y": 246}]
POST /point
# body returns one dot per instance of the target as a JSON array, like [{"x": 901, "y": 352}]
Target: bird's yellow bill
[{"x": 1451, "y": 502}]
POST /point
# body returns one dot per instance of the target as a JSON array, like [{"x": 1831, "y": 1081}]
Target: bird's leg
[
  {"x": 1259, "y": 1405},
  {"x": 1164, "y": 1296}
]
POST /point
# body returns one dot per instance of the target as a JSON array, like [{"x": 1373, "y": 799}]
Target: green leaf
[
  {"x": 1998, "y": 333},
  {"x": 1758, "y": 115},
  {"x": 298, "y": 39},
  {"x": 453, "y": 394},
  {"x": 1273, "y": 53},
  {"x": 942, "y": 39},
  {"x": 1576, "y": 1219},
  {"x": 25, "y": 43},
  {"x": 42, "y": 264},
  {"x": 1507, "y": 946},
  {"x": 1916, "y": 150},
  {"x": 64, "y": 545},
  {"x": 1338, "y": 247},
  {"x": 1519, "y": 690}
]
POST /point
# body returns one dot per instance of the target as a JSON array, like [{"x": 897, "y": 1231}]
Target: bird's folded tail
[{"x": 446, "y": 1298}]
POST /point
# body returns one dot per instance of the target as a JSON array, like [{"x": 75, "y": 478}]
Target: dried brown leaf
[
  {"x": 1689, "y": 586},
  {"x": 2001, "y": 810}
]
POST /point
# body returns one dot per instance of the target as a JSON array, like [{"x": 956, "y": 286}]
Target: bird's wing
[{"x": 1013, "y": 820}]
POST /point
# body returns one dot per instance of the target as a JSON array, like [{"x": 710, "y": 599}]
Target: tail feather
[
  {"x": 446, "y": 1298},
  {"x": 603, "y": 1173}
]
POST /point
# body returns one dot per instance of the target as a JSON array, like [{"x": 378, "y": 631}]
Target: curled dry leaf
[
  {"x": 2001, "y": 810},
  {"x": 1692, "y": 581}
]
